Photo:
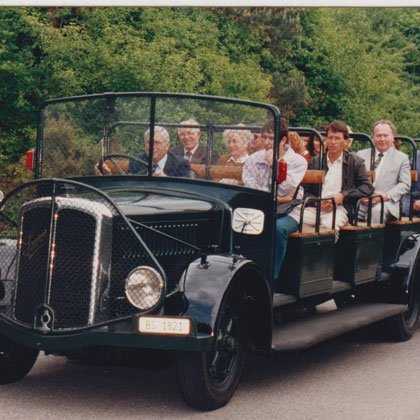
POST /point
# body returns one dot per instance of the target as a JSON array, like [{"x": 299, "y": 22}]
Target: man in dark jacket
[
  {"x": 164, "y": 163},
  {"x": 190, "y": 147},
  {"x": 346, "y": 179}
]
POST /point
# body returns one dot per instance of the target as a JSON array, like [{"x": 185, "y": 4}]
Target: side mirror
[
  {"x": 30, "y": 159},
  {"x": 282, "y": 171}
]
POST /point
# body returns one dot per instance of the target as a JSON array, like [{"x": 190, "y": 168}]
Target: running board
[{"x": 304, "y": 333}]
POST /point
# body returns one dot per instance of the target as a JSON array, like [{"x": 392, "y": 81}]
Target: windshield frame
[{"x": 111, "y": 97}]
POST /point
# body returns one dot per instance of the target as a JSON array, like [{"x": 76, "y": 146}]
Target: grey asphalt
[{"x": 357, "y": 376}]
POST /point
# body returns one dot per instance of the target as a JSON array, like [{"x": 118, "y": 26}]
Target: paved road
[{"x": 351, "y": 377}]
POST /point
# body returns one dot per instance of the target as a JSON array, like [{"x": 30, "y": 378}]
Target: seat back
[{"x": 217, "y": 172}]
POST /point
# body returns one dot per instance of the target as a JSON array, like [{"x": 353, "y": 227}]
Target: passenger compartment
[{"x": 307, "y": 268}]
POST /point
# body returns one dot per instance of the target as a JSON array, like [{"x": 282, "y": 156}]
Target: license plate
[{"x": 163, "y": 325}]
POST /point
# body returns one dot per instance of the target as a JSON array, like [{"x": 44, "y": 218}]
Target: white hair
[
  {"x": 244, "y": 135},
  {"x": 189, "y": 122},
  {"x": 158, "y": 130}
]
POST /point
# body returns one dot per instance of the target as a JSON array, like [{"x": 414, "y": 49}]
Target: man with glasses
[
  {"x": 392, "y": 173},
  {"x": 164, "y": 163},
  {"x": 257, "y": 169},
  {"x": 257, "y": 173},
  {"x": 190, "y": 148},
  {"x": 257, "y": 143}
]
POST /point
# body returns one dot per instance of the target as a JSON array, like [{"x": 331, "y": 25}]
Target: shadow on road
[{"x": 126, "y": 392}]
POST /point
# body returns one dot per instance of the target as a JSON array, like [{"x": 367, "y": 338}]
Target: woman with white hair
[{"x": 238, "y": 142}]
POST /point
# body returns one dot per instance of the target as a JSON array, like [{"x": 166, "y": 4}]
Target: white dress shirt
[
  {"x": 334, "y": 177},
  {"x": 241, "y": 159},
  {"x": 161, "y": 164},
  {"x": 296, "y": 169}
]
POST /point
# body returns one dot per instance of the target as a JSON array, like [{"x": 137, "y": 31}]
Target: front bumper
[{"x": 119, "y": 334}]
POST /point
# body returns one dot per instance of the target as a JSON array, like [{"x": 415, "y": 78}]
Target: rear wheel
[
  {"x": 209, "y": 379},
  {"x": 403, "y": 326},
  {"x": 16, "y": 360}
]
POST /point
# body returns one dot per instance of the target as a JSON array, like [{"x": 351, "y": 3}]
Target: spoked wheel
[
  {"x": 209, "y": 379},
  {"x": 16, "y": 360}
]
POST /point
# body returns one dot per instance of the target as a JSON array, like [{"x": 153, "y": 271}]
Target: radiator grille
[
  {"x": 57, "y": 283},
  {"x": 74, "y": 253},
  {"x": 71, "y": 278},
  {"x": 32, "y": 261}
]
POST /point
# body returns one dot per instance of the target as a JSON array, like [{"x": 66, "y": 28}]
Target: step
[
  {"x": 280, "y": 299},
  {"x": 304, "y": 333},
  {"x": 340, "y": 286}
]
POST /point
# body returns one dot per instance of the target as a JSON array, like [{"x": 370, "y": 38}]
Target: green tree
[
  {"x": 92, "y": 50},
  {"x": 316, "y": 64},
  {"x": 355, "y": 62}
]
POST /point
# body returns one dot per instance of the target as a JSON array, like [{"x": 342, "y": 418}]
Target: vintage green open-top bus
[{"x": 134, "y": 261}]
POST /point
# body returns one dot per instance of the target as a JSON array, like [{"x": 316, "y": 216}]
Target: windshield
[{"x": 151, "y": 135}]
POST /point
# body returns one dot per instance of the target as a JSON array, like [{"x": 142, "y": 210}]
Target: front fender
[
  {"x": 206, "y": 285},
  {"x": 407, "y": 260}
]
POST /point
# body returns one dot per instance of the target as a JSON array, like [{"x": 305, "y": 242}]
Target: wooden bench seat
[
  {"x": 363, "y": 225},
  {"x": 403, "y": 221},
  {"x": 322, "y": 232},
  {"x": 312, "y": 176},
  {"x": 308, "y": 230},
  {"x": 217, "y": 172}
]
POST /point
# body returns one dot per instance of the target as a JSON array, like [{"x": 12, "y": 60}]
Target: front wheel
[
  {"x": 209, "y": 379},
  {"x": 16, "y": 360}
]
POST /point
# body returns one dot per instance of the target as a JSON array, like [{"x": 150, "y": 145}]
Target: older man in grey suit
[{"x": 392, "y": 169}]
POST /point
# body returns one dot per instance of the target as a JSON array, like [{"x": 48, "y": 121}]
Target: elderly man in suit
[
  {"x": 392, "y": 173},
  {"x": 190, "y": 148},
  {"x": 164, "y": 163}
]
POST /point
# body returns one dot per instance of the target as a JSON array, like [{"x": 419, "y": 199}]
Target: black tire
[
  {"x": 403, "y": 326},
  {"x": 16, "y": 360},
  {"x": 208, "y": 380},
  {"x": 344, "y": 300}
]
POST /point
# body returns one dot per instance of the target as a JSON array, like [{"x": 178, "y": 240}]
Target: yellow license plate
[{"x": 164, "y": 325}]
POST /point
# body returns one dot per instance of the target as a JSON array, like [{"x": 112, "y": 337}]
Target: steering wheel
[{"x": 112, "y": 156}]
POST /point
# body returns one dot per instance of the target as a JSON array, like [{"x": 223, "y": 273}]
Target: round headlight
[{"x": 143, "y": 287}]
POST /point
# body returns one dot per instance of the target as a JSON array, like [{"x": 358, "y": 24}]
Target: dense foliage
[{"x": 316, "y": 64}]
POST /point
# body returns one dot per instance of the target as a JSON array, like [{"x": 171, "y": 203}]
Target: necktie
[
  {"x": 378, "y": 160},
  {"x": 188, "y": 154},
  {"x": 154, "y": 167}
]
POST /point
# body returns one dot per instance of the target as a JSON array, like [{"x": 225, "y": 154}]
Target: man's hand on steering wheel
[{"x": 102, "y": 168}]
